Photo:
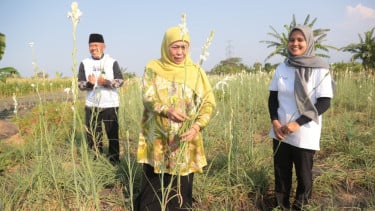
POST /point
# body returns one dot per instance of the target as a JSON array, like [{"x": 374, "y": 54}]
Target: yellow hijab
[{"x": 187, "y": 72}]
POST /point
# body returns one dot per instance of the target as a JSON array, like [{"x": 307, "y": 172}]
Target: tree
[
  {"x": 268, "y": 67},
  {"x": 7, "y": 71},
  {"x": 281, "y": 43},
  {"x": 41, "y": 74},
  {"x": 364, "y": 50},
  {"x": 231, "y": 65},
  {"x": 127, "y": 75},
  {"x": 2, "y": 45},
  {"x": 58, "y": 74}
]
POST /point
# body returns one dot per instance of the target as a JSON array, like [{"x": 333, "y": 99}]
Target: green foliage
[
  {"x": 343, "y": 68},
  {"x": 234, "y": 66},
  {"x": 281, "y": 42},
  {"x": 8, "y": 72},
  {"x": 41, "y": 74},
  {"x": 231, "y": 65},
  {"x": 22, "y": 87},
  {"x": 59, "y": 74},
  {"x": 364, "y": 50},
  {"x": 9, "y": 156},
  {"x": 2, "y": 45},
  {"x": 128, "y": 75},
  {"x": 268, "y": 67}
]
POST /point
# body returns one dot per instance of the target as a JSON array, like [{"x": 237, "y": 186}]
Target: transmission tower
[{"x": 229, "y": 49}]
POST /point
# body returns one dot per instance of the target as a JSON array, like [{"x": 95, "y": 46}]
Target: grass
[{"x": 50, "y": 172}]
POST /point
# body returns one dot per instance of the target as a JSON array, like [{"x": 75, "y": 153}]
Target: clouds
[{"x": 361, "y": 12}]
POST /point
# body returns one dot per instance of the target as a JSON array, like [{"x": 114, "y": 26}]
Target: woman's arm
[{"x": 322, "y": 105}]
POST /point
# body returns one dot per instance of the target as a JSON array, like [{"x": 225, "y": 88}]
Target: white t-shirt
[{"x": 319, "y": 85}]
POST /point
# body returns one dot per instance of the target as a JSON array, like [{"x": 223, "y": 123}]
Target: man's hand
[
  {"x": 92, "y": 79},
  {"x": 102, "y": 81}
]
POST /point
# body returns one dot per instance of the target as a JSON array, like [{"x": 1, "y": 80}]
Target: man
[{"x": 100, "y": 76}]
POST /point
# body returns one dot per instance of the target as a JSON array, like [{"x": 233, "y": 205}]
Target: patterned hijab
[
  {"x": 304, "y": 65},
  {"x": 187, "y": 72}
]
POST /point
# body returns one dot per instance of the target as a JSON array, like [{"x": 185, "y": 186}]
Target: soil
[
  {"x": 9, "y": 131},
  {"x": 26, "y": 103}
]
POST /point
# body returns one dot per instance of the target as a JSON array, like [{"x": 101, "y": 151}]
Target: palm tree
[
  {"x": 281, "y": 42},
  {"x": 365, "y": 50}
]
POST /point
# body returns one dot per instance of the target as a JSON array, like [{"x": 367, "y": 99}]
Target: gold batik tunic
[{"x": 159, "y": 144}]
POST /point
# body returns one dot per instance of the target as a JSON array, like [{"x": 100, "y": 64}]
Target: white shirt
[
  {"x": 319, "y": 85},
  {"x": 100, "y": 96}
]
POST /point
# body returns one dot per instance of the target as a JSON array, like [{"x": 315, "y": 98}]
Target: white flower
[
  {"x": 31, "y": 44},
  {"x": 33, "y": 85},
  {"x": 15, "y": 103},
  {"x": 75, "y": 14},
  {"x": 67, "y": 90},
  {"x": 223, "y": 83},
  {"x": 204, "y": 54},
  {"x": 182, "y": 25}
]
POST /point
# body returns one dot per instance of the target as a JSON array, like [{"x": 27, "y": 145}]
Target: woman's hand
[
  {"x": 176, "y": 115},
  {"x": 278, "y": 129},
  {"x": 191, "y": 133},
  {"x": 289, "y": 128}
]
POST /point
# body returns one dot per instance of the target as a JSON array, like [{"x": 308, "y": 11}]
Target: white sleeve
[
  {"x": 273, "y": 86},
  {"x": 324, "y": 84}
]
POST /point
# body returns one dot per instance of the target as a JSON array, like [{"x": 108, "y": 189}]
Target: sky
[{"x": 133, "y": 30}]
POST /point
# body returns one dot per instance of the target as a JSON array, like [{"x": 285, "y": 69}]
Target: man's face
[{"x": 96, "y": 49}]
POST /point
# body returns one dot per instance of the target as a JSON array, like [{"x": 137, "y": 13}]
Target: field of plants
[{"x": 52, "y": 170}]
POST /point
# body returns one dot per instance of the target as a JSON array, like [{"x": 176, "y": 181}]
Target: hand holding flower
[
  {"x": 289, "y": 128},
  {"x": 176, "y": 115},
  {"x": 92, "y": 79},
  {"x": 102, "y": 81},
  {"x": 277, "y": 128},
  {"x": 191, "y": 133}
]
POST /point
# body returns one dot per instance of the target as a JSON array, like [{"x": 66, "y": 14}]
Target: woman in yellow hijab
[{"x": 178, "y": 103}]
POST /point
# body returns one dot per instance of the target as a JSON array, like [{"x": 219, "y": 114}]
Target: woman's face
[
  {"x": 178, "y": 51},
  {"x": 297, "y": 44}
]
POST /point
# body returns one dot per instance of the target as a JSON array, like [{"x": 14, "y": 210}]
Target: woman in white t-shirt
[{"x": 300, "y": 91}]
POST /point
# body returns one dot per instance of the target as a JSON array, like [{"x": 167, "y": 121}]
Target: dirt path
[{"x": 25, "y": 103}]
